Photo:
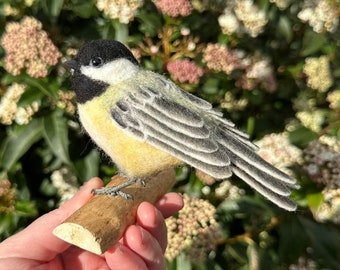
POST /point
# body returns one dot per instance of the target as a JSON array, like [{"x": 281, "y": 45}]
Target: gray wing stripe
[
  {"x": 232, "y": 144},
  {"x": 282, "y": 201},
  {"x": 178, "y": 112},
  {"x": 123, "y": 118},
  {"x": 224, "y": 133},
  {"x": 151, "y": 126},
  {"x": 218, "y": 158},
  {"x": 217, "y": 164},
  {"x": 196, "y": 101},
  {"x": 199, "y": 131},
  {"x": 232, "y": 128},
  {"x": 195, "y": 131},
  {"x": 214, "y": 171},
  {"x": 257, "y": 175},
  {"x": 202, "y": 144}
]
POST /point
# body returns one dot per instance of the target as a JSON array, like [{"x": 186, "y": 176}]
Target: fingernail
[
  {"x": 162, "y": 200},
  {"x": 142, "y": 235},
  {"x": 115, "y": 248}
]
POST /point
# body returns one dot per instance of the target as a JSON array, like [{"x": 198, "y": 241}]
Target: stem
[{"x": 121, "y": 31}]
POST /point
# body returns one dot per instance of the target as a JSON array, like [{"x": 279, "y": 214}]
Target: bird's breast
[{"x": 133, "y": 157}]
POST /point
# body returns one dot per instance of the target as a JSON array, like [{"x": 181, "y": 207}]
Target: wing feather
[
  {"x": 282, "y": 201},
  {"x": 196, "y": 140},
  {"x": 258, "y": 175},
  {"x": 187, "y": 127},
  {"x": 206, "y": 167},
  {"x": 200, "y": 131},
  {"x": 190, "y": 98},
  {"x": 253, "y": 160},
  {"x": 201, "y": 149}
]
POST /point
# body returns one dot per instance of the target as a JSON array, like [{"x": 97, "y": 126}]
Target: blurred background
[{"x": 271, "y": 66}]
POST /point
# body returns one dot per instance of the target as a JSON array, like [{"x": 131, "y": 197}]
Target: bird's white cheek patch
[{"x": 111, "y": 73}]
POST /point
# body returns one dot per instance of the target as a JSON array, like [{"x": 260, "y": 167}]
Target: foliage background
[{"x": 275, "y": 74}]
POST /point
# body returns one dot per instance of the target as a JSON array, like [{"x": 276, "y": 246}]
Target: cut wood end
[{"x": 79, "y": 236}]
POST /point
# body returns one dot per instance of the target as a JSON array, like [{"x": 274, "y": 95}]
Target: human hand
[{"x": 141, "y": 247}]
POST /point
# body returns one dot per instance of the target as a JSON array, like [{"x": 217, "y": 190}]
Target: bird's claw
[
  {"x": 141, "y": 181},
  {"x": 117, "y": 190},
  {"x": 113, "y": 191}
]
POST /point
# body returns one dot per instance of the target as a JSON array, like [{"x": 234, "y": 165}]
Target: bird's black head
[{"x": 92, "y": 56}]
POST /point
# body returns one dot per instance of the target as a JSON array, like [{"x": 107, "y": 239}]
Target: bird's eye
[{"x": 96, "y": 61}]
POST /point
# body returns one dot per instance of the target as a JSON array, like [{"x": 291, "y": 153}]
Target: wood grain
[{"x": 101, "y": 222}]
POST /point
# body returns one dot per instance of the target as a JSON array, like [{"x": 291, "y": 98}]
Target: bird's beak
[{"x": 71, "y": 64}]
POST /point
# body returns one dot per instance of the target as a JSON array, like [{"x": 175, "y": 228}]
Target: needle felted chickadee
[{"x": 146, "y": 124}]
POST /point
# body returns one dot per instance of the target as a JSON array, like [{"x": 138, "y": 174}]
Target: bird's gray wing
[
  {"x": 187, "y": 127},
  {"x": 150, "y": 116}
]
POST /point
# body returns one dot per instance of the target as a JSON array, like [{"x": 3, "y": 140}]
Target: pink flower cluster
[
  {"x": 220, "y": 58},
  {"x": 254, "y": 71},
  {"x": 28, "y": 46},
  {"x": 174, "y": 8},
  {"x": 258, "y": 72},
  {"x": 184, "y": 70}
]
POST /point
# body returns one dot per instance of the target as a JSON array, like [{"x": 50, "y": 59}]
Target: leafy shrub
[{"x": 271, "y": 66}]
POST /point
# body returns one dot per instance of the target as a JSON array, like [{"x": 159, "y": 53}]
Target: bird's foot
[{"x": 117, "y": 190}]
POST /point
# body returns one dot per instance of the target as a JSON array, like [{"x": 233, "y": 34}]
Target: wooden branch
[{"x": 101, "y": 222}]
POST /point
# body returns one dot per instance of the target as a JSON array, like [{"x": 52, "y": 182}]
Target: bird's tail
[{"x": 255, "y": 171}]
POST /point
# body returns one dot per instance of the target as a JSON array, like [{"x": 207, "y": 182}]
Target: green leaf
[
  {"x": 121, "y": 31},
  {"x": 83, "y": 8},
  {"x": 107, "y": 30},
  {"x": 43, "y": 84},
  {"x": 150, "y": 23},
  {"x": 182, "y": 262},
  {"x": 88, "y": 166},
  {"x": 44, "y": 87},
  {"x": 314, "y": 200},
  {"x": 53, "y": 8},
  {"x": 266, "y": 259},
  {"x": 30, "y": 95},
  {"x": 18, "y": 142},
  {"x": 55, "y": 132},
  {"x": 179, "y": 263},
  {"x": 210, "y": 86},
  {"x": 47, "y": 188},
  {"x": 285, "y": 28},
  {"x": 8, "y": 225},
  {"x": 250, "y": 125},
  {"x": 296, "y": 234},
  {"x": 324, "y": 240},
  {"x": 312, "y": 42},
  {"x": 293, "y": 240},
  {"x": 336, "y": 72},
  {"x": 238, "y": 252},
  {"x": 26, "y": 209},
  {"x": 302, "y": 136}
]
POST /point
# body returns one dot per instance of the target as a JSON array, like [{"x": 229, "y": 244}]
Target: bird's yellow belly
[{"x": 133, "y": 157}]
